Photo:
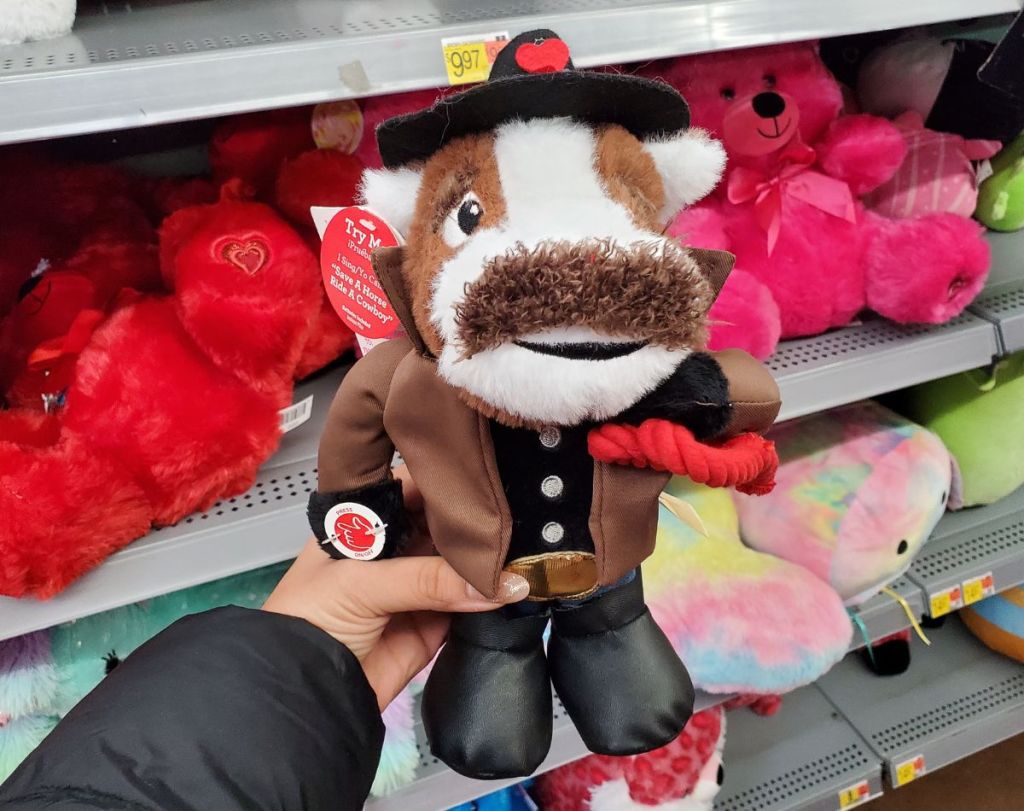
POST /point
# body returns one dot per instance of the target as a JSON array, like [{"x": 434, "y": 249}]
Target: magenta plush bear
[{"x": 810, "y": 256}]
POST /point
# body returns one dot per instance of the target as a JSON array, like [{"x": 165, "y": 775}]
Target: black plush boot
[
  {"x": 487, "y": 702},
  {"x": 617, "y": 675}
]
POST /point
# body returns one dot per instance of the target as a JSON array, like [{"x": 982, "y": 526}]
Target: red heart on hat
[
  {"x": 248, "y": 256},
  {"x": 546, "y": 57}
]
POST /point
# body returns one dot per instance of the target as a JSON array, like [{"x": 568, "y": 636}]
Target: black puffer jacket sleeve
[{"x": 230, "y": 709}]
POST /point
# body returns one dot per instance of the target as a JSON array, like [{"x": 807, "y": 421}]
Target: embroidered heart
[
  {"x": 248, "y": 256},
  {"x": 546, "y": 57}
]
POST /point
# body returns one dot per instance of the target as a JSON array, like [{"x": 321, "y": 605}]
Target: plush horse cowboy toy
[{"x": 551, "y": 380}]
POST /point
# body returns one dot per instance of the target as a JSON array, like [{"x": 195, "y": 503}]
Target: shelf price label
[
  {"x": 978, "y": 588},
  {"x": 469, "y": 59},
  {"x": 855, "y": 795},
  {"x": 942, "y": 602},
  {"x": 909, "y": 770}
]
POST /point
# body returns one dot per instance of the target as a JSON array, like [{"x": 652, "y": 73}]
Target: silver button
[
  {"x": 553, "y": 532},
  {"x": 550, "y": 437},
  {"x": 552, "y": 487}
]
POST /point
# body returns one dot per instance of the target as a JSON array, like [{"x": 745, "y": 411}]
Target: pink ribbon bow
[{"x": 792, "y": 177}]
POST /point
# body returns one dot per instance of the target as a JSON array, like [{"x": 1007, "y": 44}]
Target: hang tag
[
  {"x": 469, "y": 59},
  {"x": 350, "y": 235},
  {"x": 337, "y": 125},
  {"x": 296, "y": 414}
]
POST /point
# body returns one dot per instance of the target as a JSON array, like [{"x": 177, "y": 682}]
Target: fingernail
[{"x": 511, "y": 588}]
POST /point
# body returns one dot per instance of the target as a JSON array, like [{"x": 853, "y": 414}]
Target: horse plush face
[{"x": 537, "y": 270}]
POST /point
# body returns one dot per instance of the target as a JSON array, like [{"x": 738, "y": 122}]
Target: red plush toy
[
  {"x": 172, "y": 403},
  {"x": 50, "y": 208},
  {"x": 273, "y": 153},
  {"x": 809, "y": 255},
  {"x": 75, "y": 236}
]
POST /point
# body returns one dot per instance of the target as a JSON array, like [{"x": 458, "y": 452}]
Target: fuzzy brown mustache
[{"x": 651, "y": 291}]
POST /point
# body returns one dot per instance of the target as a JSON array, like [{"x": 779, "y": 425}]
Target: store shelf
[
  {"x": 437, "y": 787},
  {"x": 969, "y": 546},
  {"x": 882, "y": 615},
  {"x": 875, "y": 357},
  {"x": 262, "y": 526},
  {"x": 1002, "y": 301},
  {"x": 957, "y": 698},
  {"x": 804, "y": 757},
  {"x": 154, "y": 61}
]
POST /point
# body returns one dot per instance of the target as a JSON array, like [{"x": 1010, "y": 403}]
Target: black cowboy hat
[{"x": 533, "y": 77}]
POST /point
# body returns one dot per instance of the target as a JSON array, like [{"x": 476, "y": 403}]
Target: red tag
[
  {"x": 355, "y": 530},
  {"x": 352, "y": 287}
]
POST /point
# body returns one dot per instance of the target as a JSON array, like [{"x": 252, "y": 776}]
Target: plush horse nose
[{"x": 768, "y": 105}]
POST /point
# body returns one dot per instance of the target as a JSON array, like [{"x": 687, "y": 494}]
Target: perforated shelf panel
[
  {"x": 973, "y": 544},
  {"x": 800, "y": 758},
  {"x": 262, "y": 526},
  {"x": 956, "y": 698},
  {"x": 1002, "y": 301},
  {"x": 130, "y": 64},
  {"x": 874, "y": 357},
  {"x": 437, "y": 787}
]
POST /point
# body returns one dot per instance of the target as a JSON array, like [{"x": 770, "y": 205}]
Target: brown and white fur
[{"x": 538, "y": 191}]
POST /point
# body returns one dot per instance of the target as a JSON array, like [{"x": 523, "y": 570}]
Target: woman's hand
[{"x": 392, "y": 614}]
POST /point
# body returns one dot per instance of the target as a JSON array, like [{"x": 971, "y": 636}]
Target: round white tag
[{"x": 355, "y": 530}]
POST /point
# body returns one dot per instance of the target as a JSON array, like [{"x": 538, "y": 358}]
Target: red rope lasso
[{"x": 747, "y": 462}]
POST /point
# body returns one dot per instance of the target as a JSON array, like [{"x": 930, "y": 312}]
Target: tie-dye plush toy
[
  {"x": 744, "y": 621},
  {"x": 28, "y": 695},
  {"x": 860, "y": 490}
]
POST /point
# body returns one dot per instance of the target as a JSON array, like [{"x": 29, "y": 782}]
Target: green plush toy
[
  {"x": 979, "y": 415},
  {"x": 1001, "y": 196}
]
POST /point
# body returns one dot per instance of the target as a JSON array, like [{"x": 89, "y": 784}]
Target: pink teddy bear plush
[{"x": 810, "y": 256}]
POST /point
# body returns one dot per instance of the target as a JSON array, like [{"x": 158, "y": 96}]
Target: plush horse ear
[
  {"x": 391, "y": 193},
  {"x": 689, "y": 163}
]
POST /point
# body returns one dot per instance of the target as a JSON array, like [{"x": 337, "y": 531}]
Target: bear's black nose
[{"x": 768, "y": 105}]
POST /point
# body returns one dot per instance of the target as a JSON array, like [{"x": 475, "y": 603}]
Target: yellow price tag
[
  {"x": 973, "y": 591},
  {"x": 905, "y": 773},
  {"x": 466, "y": 63},
  {"x": 909, "y": 770},
  {"x": 978, "y": 588},
  {"x": 469, "y": 59},
  {"x": 940, "y": 604},
  {"x": 854, "y": 795}
]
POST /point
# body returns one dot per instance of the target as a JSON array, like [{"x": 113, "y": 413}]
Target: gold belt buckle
[{"x": 557, "y": 575}]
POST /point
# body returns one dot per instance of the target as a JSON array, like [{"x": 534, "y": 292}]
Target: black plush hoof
[
  {"x": 622, "y": 684},
  {"x": 487, "y": 702}
]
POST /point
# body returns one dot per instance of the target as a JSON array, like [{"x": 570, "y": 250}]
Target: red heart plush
[
  {"x": 547, "y": 57},
  {"x": 248, "y": 256}
]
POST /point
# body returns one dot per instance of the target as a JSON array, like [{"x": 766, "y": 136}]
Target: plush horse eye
[
  {"x": 462, "y": 220},
  {"x": 727, "y": 93},
  {"x": 470, "y": 213}
]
